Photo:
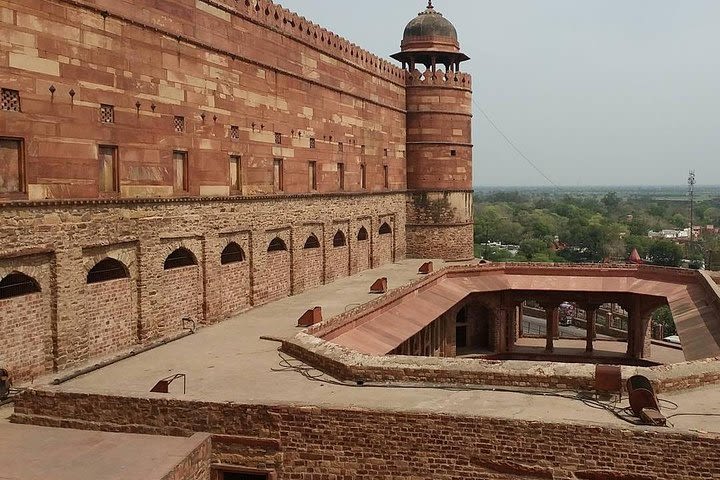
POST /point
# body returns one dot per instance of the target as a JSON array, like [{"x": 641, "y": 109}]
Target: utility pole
[{"x": 691, "y": 191}]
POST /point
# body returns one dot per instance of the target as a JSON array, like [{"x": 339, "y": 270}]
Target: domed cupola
[{"x": 430, "y": 39}]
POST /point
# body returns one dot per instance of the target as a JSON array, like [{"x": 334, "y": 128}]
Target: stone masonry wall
[
  {"x": 367, "y": 445},
  {"x": 236, "y": 293},
  {"x": 111, "y": 316},
  {"x": 181, "y": 297},
  {"x": 56, "y": 243},
  {"x": 26, "y": 326},
  {"x": 440, "y": 241}
]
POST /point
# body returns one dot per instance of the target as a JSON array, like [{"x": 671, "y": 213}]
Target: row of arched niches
[{"x": 114, "y": 303}]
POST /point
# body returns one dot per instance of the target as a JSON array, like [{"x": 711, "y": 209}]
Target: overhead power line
[{"x": 512, "y": 144}]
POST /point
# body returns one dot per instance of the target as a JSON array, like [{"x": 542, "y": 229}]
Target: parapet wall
[{"x": 298, "y": 442}]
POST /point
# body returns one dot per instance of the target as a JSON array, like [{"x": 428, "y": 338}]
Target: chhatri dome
[{"x": 430, "y": 39}]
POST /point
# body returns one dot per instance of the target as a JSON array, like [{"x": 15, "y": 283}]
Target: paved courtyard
[{"x": 229, "y": 362}]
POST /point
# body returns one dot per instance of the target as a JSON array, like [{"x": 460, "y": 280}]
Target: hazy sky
[{"x": 595, "y": 92}]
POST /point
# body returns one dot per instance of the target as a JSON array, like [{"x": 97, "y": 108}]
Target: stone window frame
[
  {"x": 22, "y": 285},
  {"x": 363, "y": 234},
  {"x": 106, "y": 270},
  {"x": 277, "y": 244},
  {"x": 179, "y": 124},
  {"x": 279, "y": 169},
  {"x": 278, "y": 138},
  {"x": 234, "y": 132},
  {"x": 22, "y": 178},
  {"x": 312, "y": 176},
  {"x": 232, "y": 253},
  {"x": 363, "y": 176},
  {"x": 313, "y": 142},
  {"x": 107, "y": 113},
  {"x": 186, "y": 170},
  {"x": 115, "y": 167},
  {"x": 341, "y": 176},
  {"x": 240, "y": 177},
  {"x": 179, "y": 258},
  {"x": 312, "y": 242},
  {"x": 340, "y": 239},
  {"x": 10, "y": 100}
]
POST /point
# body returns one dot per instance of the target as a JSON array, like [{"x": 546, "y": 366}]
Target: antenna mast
[{"x": 691, "y": 192}]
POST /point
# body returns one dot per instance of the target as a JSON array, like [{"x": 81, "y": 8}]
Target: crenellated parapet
[
  {"x": 278, "y": 18},
  {"x": 438, "y": 78}
]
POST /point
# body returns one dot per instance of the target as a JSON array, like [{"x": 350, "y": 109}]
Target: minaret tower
[{"x": 439, "y": 140}]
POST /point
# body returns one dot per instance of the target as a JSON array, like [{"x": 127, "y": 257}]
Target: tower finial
[{"x": 430, "y": 5}]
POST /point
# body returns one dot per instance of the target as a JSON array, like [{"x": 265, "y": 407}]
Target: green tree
[
  {"x": 532, "y": 247},
  {"x": 665, "y": 253},
  {"x": 663, "y": 316},
  {"x": 611, "y": 201}
]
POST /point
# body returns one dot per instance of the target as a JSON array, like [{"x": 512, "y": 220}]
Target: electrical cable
[
  {"x": 513, "y": 145},
  {"x": 306, "y": 371}
]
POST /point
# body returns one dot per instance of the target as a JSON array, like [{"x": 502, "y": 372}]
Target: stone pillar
[
  {"x": 550, "y": 316},
  {"x": 501, "y": 329},
  {"x": 647, "y": 337},
  {"x": 519, "y": 325},
  {"x": 590, "y": 320}
]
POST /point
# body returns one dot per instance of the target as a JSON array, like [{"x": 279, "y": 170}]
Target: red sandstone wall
[
  {"x": 26, "y": 346},
  {"x": 111, "y": 318},
  {"x": 438, "y": 122},
  {"x": 217, "y": 64}
]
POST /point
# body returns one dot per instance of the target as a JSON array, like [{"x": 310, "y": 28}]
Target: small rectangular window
[
  {"x": 386, "y": 175},
  {"x": 235, "y": 132},
  {"x": 362, "y": 149},
  {"x": 180, "y": 161},
  {"x": 385, "y": 152},
  {"x": 10, "y": 100},
  {"x": 278, "y": 174},
  {"x": 341, "y": 147},
  {"x": 108, "y": 159},
  {"x": 107, "y": 114},
  {"x": 312, "y": 176},
  {"x": 235, "y": 173},
  {"x": 453, "y": 153},
  {"x": 363, "y": 177},
  {"x": 278, "y": 138},
  {"x": 312, "y": 143},
  {"x": 179, "y": 124},
  {"x": 341, "y": 175},
  {"x": 11, "y": 165}
]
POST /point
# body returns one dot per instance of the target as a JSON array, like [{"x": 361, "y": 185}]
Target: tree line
[{"x": 590, "y": 228}]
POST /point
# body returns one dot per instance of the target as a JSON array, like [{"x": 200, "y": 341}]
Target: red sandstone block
[
  {"x": 311, "y": 317},
  {"x": 380, "y": 286}
]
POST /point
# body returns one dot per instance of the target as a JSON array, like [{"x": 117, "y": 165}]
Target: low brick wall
[
  {"x": 347, "y": 365},
  {"x": 303, "y": 443},
  {"x": 195, "y": 466}
]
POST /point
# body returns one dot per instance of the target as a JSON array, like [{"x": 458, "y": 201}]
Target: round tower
[{"x": 439, "y": 140}]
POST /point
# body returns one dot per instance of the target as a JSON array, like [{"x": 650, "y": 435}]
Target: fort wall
[
  {"x": 201, "y": 78},
  {"x": 71, "y": 321},
  {"x": 298, "y": 442}
]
